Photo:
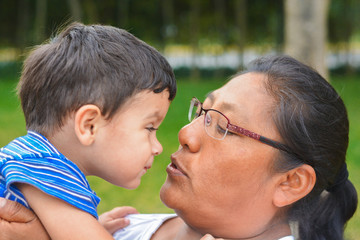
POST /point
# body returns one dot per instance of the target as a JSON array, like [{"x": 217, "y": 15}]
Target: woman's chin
[{"x": 165, "y": 196}]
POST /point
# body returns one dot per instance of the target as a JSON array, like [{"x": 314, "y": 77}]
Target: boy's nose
[{"x": 157, "y": 147}]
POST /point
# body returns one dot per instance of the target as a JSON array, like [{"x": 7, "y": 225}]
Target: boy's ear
[
  {"x": 294, "y": 185},
  {"x": 87, "y": 120}
]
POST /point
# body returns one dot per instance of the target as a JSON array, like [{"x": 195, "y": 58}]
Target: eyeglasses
[{"x": 217, "y": 125}]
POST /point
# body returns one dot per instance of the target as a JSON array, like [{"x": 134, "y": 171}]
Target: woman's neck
[{"x": 177, "y": 229}]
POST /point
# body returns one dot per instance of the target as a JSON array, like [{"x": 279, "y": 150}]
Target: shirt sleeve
[
  {"x": 56, "y": 177},
  {"x": 142, "y": 226}
]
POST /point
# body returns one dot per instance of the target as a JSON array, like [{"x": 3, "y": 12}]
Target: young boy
[{"x": 93, "y": 98}]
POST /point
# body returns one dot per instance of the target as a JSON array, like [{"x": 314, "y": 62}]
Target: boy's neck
[{"x": 66, "y": 142}]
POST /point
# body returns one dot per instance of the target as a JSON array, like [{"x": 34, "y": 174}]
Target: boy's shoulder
[{"x": 32, "y": 145}]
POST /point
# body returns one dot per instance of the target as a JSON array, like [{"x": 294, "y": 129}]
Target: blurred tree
[
  {"x": 241, "y": 28},
  {"x": 344, "y": 22},
  {"x": 194, "y": 36},
  {"x": 168, "y": 26},
  {"x": 75, "y": 9},
  {"x": 222, "y": 33},
  {"x": 91, "y": 10},
  {"x": 23, "y": 25},
  {"x": 40, "y": 21},
  {"x": 123, "y": 13},
  {"x": 264, "y": 24},
  {"x": 306, "y": 32},
  {"x": 255, "y": 24}
]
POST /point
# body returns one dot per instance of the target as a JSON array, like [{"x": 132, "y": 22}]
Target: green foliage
[
  {"x": 343, "y": 20},
  {"x": 12, "y": 122},
  {"x": 205, "y": 73},
  {"x": 162, "y": 22},
  {"x": 10, "y": 70},
  {"x": 349, "y": 89},
  {"x": 146, "y": 197}
]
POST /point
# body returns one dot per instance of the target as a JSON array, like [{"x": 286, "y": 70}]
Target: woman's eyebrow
[{"x": 223, "y": 105}]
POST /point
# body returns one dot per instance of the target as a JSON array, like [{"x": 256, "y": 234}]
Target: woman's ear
[
  {"x": 294, "y": 185},
  {"x": 87, "y": 120}
]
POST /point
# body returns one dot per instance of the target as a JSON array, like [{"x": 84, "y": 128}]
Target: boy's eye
[{"x": 151, "y": 129}]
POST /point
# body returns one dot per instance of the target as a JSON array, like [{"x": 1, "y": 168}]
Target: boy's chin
[{"x": 131, "y": 185}]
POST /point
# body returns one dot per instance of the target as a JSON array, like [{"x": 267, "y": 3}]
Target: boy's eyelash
[{"x": 151, "y": 129}]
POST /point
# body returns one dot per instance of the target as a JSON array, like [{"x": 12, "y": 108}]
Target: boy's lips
[{"x": 149, "y": 164}]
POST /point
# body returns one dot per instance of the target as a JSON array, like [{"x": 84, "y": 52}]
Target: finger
[
  {"x": 114, "y": 225},
  {"x": 207, "y": 237},
  {"x": 15, "y": 212},
  {"x": 31, "y": 230},
  {"x": 120, "y": 212}
]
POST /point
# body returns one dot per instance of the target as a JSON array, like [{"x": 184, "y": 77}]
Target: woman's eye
[{"x": 220, "y": 129}]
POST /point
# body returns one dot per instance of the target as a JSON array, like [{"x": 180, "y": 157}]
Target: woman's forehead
[
  {"x": 244, "y": 89},
  {"x": 243, "y": 99}
]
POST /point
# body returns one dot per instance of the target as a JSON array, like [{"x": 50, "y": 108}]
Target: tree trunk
[
  {"x": 168, "y": 28},
  {"x": 91, "y": 11},
  {"x": 194, "y": 37},
  {"x": 40, "y": 21},
  {"x": 220, "y": 18},
  {"x": 75, "y": 9},
  {"x": 306, "y": 32},
  {"x": 22, "y": 30},
  {"x": 241, "y": 23}
]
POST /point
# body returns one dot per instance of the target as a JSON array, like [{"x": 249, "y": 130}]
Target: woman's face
[{"x": 225, "y": 187}]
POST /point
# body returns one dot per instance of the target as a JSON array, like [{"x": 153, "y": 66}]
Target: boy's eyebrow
[
  {"x": 153, "y": 114},
  {"x": 210, "y": 95}
]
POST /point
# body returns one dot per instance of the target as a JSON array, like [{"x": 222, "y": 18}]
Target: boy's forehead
[
  {"x": 148, "y": 100},
  {"x": 144, "y": 95}
]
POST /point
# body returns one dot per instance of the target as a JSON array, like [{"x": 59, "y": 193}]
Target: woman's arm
[
  {"x": 17, "y": 222},
  {"x": 62, "y": 220}
]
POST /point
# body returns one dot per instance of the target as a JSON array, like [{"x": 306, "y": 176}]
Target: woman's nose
[{"x": 190, "y": 135}]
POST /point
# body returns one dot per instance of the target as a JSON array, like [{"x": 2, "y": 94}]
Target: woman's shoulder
[{"x": 142, "y": 226}]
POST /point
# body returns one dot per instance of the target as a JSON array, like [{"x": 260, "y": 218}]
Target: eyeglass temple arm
[
  {"x": 275, "y": 144},
  {"x": 258, "y": 137}
]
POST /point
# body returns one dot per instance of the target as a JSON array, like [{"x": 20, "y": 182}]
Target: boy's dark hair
[
  {"x": 100, "y": 65},
  {"x": 312, "y": 120}
]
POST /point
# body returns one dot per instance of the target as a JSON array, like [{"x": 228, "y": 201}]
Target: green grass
[
  {"x": 349, "y": 89},
  {"x": 146, "y": 197}
]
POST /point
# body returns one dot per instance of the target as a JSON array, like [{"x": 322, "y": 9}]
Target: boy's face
[{"x": 125, "y": 146}]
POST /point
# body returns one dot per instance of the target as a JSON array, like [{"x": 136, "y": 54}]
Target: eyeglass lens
[{"x": 214, "y": 122}]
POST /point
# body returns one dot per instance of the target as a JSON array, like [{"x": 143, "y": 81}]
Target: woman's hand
[
  {"x": 115, "y": 219},
  {"x": 209, "y": 237},
  {"x": 18, "y": 222}
]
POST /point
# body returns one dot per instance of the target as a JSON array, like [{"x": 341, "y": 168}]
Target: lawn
[{"x": 146, "y": 197}]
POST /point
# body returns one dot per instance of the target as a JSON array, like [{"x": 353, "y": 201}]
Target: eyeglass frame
[{"x": 236, "y": 129}]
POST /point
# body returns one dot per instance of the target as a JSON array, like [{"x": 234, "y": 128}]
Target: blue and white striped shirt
[{"x": 32, "y": 159}]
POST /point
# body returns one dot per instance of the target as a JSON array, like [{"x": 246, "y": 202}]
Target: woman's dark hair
[
  {"x": 312, "y": 120},
  {"x": 95, "y": 64}
]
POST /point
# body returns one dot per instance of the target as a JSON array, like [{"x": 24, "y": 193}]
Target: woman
[{"x": 265, "y": 150}]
